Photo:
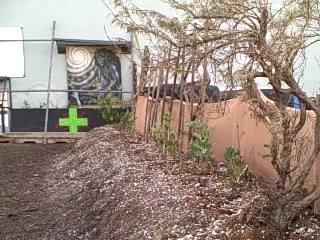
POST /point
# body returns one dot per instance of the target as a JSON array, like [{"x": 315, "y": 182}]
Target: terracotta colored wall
[
  {"x": 142, "y": 109},
  {"x": 237, "y": 128}
]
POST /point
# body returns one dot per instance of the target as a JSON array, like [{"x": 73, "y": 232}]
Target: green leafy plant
[
  {"x": 158, "y": 133},
  {"x": 26, "y": 104},
  {"x": 237, "y": 169},
  {"x": 42, "y": 105},
  {"x": 164, "y": 135},
  {"x": 127, "y": 122},
  {"x": 111, "y": 108},
  {"x": 200, "y": 147},
  {"x": 171, "y": 142},
  {"x": 115, "y": 110}
]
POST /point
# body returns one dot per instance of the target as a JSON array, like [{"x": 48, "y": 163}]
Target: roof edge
[{"x": 124, "y": 46}]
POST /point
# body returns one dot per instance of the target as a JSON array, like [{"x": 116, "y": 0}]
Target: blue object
[{"x": 296, "y": 103}]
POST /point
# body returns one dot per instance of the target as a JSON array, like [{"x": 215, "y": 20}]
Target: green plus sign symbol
[{"x": 73, "y": 121}]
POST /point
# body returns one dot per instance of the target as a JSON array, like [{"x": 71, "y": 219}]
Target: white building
[{"x": 32, "y": 65}]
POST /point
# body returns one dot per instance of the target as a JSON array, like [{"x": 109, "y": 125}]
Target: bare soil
[
  {"x": 108, "y": 186},
  {"x": 24, "y": 211}
]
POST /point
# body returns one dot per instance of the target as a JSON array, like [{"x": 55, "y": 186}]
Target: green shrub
[
  {"x": 127, "y": 122},
  {"x": 164, "y": 135},
  {"x": 112, "y": 108},
  {"x": 26, "y": 104},
  {"x": 158, "y": 133},
  {"x": 237, "y": 169},
  {"x": 115, "y": 110},
  {"x": 200, "y": 147}
]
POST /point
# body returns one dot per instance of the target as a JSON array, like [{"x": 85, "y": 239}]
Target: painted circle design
[{"x": 79, "y": 61}]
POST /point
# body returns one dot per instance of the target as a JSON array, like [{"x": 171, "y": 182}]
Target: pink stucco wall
[{"x": 234, "y": 126}]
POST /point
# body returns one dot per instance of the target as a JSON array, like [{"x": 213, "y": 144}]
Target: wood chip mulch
[{"x": 120, "y": 188}]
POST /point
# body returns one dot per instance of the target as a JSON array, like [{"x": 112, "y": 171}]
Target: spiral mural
[
  {"x": 79, "y": 60},
  {"x": 95, "y": 69}
]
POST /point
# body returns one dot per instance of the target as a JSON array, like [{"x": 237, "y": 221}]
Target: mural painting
[{"x": 92, "y": 68}]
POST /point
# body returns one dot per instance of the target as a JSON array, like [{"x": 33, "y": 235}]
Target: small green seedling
[
  {"x": 200, "y": 147},
  {"x": 164, "y": 135},
  {"x": 237, "y": 169}
]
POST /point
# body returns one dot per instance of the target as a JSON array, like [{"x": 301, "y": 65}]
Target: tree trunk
[{"x": 281, "y": 216}]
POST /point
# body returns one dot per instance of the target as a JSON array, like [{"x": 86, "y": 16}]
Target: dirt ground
[
  {"x": 23, "y": 210},
  {"x": 108, "y": 186}
]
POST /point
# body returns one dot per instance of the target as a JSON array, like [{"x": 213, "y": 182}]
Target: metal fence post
[{"x": 45, "y": 139}]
